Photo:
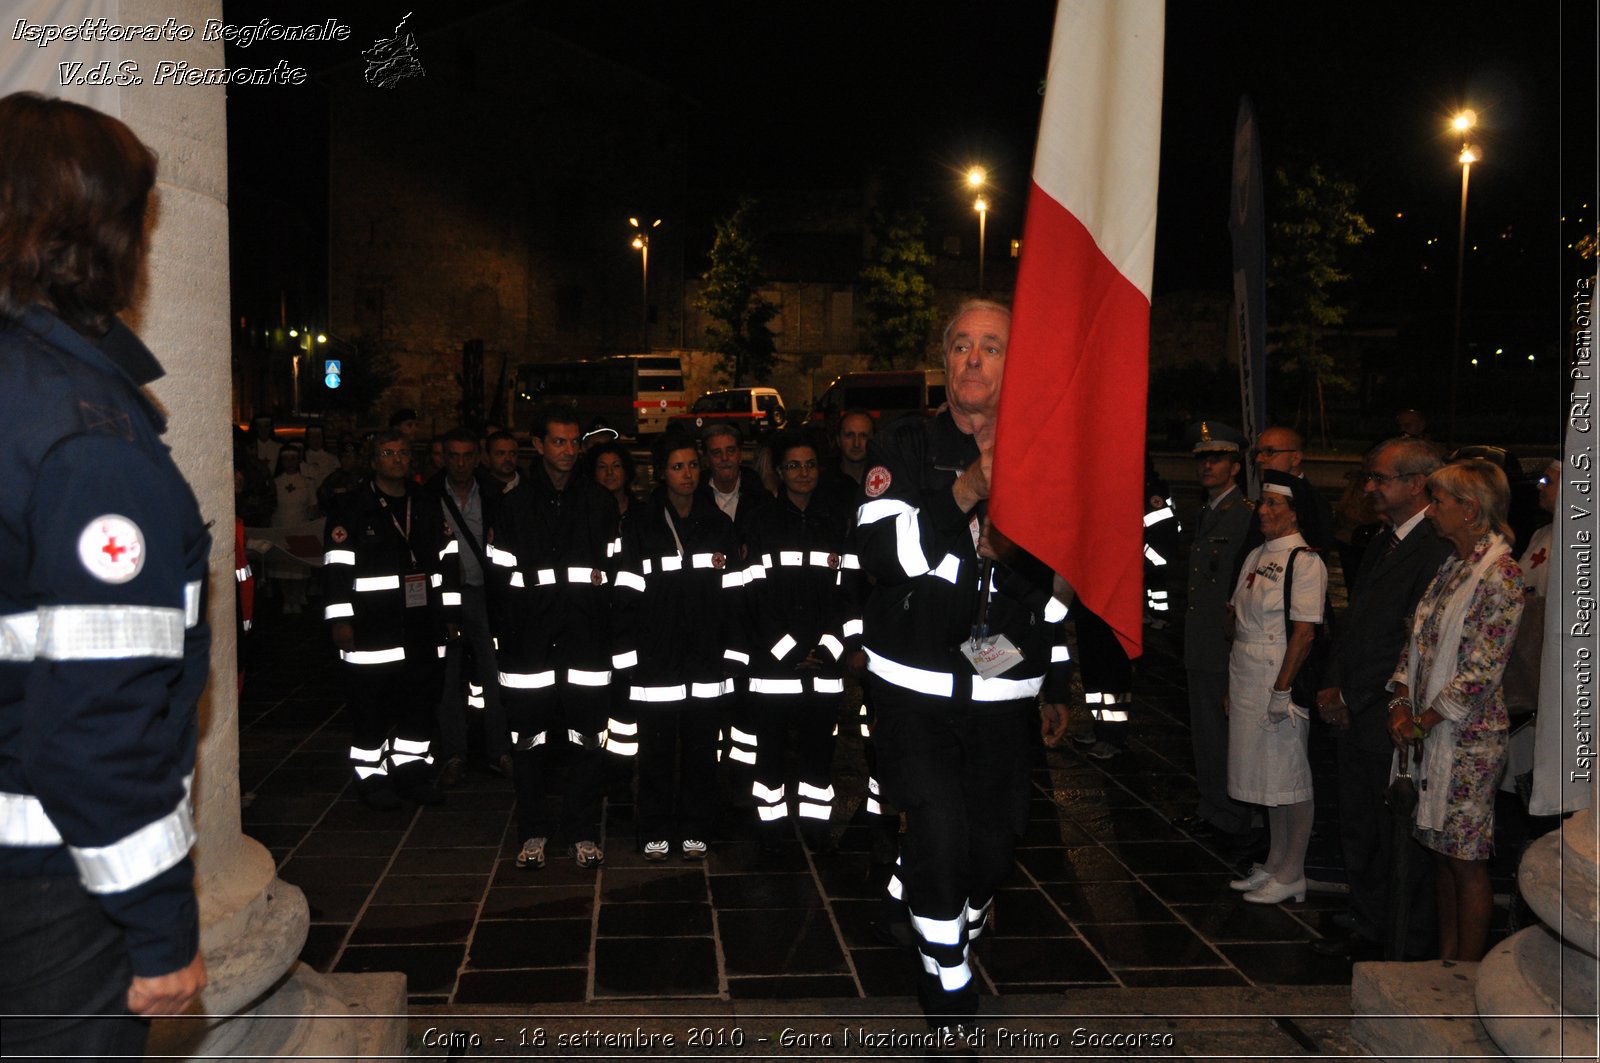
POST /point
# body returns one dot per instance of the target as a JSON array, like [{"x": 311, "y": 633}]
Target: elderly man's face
[
  {"x": 976, "y": 361},
  {"x": 1277, "y": 448}
]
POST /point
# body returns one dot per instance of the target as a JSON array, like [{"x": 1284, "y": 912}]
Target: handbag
[{"x": 1308, "y": 680}]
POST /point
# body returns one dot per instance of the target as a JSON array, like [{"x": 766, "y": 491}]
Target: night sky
[{"x": 816, "y": 94}]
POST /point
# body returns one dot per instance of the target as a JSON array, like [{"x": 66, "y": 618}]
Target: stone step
[{"x": 1417, "y": 1011}]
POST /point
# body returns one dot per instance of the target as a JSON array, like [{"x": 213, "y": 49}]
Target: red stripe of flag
[{"x": 1069, "y": 447}]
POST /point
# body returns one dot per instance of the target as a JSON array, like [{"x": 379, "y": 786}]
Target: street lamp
[
  {"x": 641, "y": 244},
  {"x": 1461, "y": 123},
  {"x": 981, "y": 205},
  {"x": 977, "y": 177}
]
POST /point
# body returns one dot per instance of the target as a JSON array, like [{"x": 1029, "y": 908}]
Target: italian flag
[{"x": 1069, "y": 448}]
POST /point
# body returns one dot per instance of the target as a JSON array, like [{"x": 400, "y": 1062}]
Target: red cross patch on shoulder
[
  {"x": 111, "y": 548},
  {"x": 877, "y": 481},
  {"x": 338, "y": 534}
]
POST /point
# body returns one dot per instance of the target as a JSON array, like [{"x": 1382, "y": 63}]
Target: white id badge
[
  {"x": 991, "y": 656},
  {"x": 416, "y": 591}
]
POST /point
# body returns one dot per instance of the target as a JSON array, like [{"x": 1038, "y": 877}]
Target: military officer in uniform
[
  {"x": 1225, "y": 519},
  {"x": 386, "y": 557}
]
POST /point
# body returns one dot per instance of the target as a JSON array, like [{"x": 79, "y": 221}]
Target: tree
[
  {"x": 1316, "y": 222},
  {"x": 896, "y": 292},
  {"x": 740, "y": 316}
]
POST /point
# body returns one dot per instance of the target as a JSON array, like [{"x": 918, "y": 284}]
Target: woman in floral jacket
[{"x": 1447, "y": 695}]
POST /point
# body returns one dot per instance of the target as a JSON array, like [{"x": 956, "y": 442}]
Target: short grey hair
[
  {"x": 966, "y": 308},
  {"x": 1413, "y": 456}
]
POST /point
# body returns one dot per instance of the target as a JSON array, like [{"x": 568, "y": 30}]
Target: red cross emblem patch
[
  {"x": 877, "y": 481},
  {"x": 111, "y": 548},
  {"x": 1539, "y": 558}
]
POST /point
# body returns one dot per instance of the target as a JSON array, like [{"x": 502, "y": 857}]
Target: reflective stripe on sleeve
[
  {"x": 108, "y": 632},
  {"x": 852, "y": 628},
  {"x": 702, "y": 560},
  {"x": 1055, "y": 611},
  {"x": 832, "y": 645},
  {"x": 451, "y": 547},
  {"x": 141, "y": 855},
  {"x": 850, "y": 561},
  {"x": 547, "y": 577},
  {"x": 670, "y": 693},
  {"x": 730, "y": 580},
  {"x": 191, "y": 604},
  {"x": 339, "y": 557},
  {"x": 939, "y": 684},
  {"x": 19, "y": 634},
  {"x": 1001, "y": 689},
  {"x": 625, "y": 660},
  {"x": 776, "y": 686},
  {"x": 528, "y": 680},
  {"x": 449, "y": 598},
  {"x": 504, "y": 558},
  {"x": 791, "y": 558},
  {"x": 630, "y": 581},
  {"x": 23, "y": 821},
  {"x": 373, "y": 656},
  {"x": 827, "y": 686},
  {"x": 711, "y": 690},
  {"x": 671, "y": 563},
  {"x": 584, "y": 678},
  {"x": 517, "y": 580},
  {"x": 436, "y": 579},
  {"x": 949, "y": 568},
  {"x": 377, "y": 583},
  {"x": 819, "y": 559},
  {"x": 1156, "y": 516},
  {"x": 736, "y": 655},
  {"x": 1154, "y": 558},
  {"x": 783, "y": 646},
  {"x": 338, "y": 611},
  {"x": 1059, "y": 654}
]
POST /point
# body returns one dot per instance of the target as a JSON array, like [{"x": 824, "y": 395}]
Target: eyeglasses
[
  {"x": 1380, "y": 479},
  {"x": 796, "y": 466},
  {"x": 394, "y": 453}
]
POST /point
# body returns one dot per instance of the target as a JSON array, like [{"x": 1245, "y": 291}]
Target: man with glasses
[
  {"x": 1394, "y": 571},
  {"x": 1283, "y": 449},
  {"x": 1225, "y": 519}
]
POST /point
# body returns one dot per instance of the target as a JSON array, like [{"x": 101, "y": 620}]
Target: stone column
[{"x": 260, "y": 1000}]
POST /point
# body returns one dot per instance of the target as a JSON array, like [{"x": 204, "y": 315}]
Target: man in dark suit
[{"x": 1394, "y": 572}]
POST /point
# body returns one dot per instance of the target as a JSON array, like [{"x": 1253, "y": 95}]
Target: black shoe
[
  {"x": 1345, "y": 920},
  {"x": 503, "y": 765},
  {"x": 426, "y": 794},
  {"x": 381, "y": 799},
  {"x": 1340, "y": 946},
  {"x": 1196, "y": 827},
  {"x": 451, "y": 774}
]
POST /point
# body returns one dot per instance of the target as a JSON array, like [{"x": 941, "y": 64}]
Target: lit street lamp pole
[
  {"x": 641, "y": 244},
  {"x": 976, "y": 178},
  {"x": 1469, "y": 155}
]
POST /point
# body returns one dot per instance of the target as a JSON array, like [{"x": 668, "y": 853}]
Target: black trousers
[
  {"x": 678, "y": 767},
  {"x": 556, "y": 762},
  {"x": 64, "y": 974},
  {"x": 1107, "y": 676},
  {"x": 806, "y": 722},
  {"x": 962, "y": 780},
  {"x": 1365, "y": 755},
  {"x": 392, "y": 709}
]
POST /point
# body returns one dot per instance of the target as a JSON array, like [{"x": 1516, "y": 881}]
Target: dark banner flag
[{"x": 1247, "y": 225}]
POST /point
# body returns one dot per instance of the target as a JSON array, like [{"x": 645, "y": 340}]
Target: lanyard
[
  {"x": 672, "y": 527},
  {"x": 405, "y": 532}
]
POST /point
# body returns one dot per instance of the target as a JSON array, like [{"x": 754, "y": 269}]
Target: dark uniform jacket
[
  {"x": 375, "y": 547},
  {"x": 677, "y": 612},
  {"x": 921, "y": 550},
  {"x": 548, "y": 547},
  {"x": 104, "y": 648},
  {"x": 1378, "y": 621},
  {"x": 797, "y": 596},
  {"x": 1219, "y": 535}
]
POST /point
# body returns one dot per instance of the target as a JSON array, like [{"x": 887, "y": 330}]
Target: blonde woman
[{"x": 1447, "y": 695}]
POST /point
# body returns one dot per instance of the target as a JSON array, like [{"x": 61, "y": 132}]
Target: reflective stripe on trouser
[
  {"x": 557, "y": 732},
  {"x": 962, "y": 780},
  {"x": 809, "y": 717},
  {"x": 391, "y": 711},
  {"x": 1108, "y": 708}
]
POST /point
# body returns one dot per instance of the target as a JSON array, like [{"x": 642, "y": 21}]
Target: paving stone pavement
[{"x": 1113, "y": 922}]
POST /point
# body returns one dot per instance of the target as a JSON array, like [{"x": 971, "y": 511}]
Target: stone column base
[
  {"x": 308, "y": 1017},
  {"x": 1419, "y": 1011}
]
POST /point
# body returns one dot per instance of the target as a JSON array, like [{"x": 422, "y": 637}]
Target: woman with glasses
[
  {"x": 798, "y": 612},
  {"x": 1267, "y": 732},
  {"x": 1447, "y": 695}
]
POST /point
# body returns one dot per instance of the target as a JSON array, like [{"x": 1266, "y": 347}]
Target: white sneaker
[
  {"x": 656, "y": 851},
  {"x": 531, "y": 854},
  {"x": 694, "y": 849}
]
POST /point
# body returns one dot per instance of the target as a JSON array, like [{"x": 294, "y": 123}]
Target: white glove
[{"x": 1279, "y": 707}]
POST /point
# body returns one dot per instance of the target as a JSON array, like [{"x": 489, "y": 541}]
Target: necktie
[{"x": 1389, "y": 544}]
